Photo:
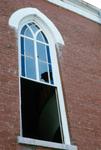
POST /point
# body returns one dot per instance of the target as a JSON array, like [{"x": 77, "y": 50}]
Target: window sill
[{"x": 34, "y": 142}]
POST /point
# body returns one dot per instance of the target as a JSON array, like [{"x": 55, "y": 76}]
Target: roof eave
[{"x": 80, "y": 7}]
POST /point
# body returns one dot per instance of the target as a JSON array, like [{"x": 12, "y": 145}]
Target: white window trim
[
  {"x": 22, "y": 13},
  {"x": 16, "y": 21},
  {"x": 46, "y": 144},
  {"x": 80, "y": 7}
]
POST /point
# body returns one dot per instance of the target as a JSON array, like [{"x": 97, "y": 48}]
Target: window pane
[
  {"x": 41, "y": 37},
  {"x": 29, "y": 47},
  {"x": 22, "y": 66},
  {"x": 30, "y": 68},
  {"x": 34, "y": 27},
  {"x": 23, "y": 30},
  {"x": 50, "y": 74},
  {"x": 28, "y": 33},
  {"x": 41, "y": 51},
  {"x": 22, "y": 45},
  {"x": 45, "y": 38},
  {"x": 48, "y": 55},
  {"x": 43, "y": 72}
]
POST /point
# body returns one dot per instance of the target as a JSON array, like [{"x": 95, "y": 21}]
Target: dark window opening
[{"x": 40, "y": 117}]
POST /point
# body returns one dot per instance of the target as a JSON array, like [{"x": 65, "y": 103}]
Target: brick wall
[{"x": 80, "y": 65}]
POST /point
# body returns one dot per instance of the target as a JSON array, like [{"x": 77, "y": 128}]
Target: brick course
[{"x": 80, "y": 66}]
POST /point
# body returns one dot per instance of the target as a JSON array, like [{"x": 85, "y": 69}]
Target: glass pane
[
  {"x": 43, "y": 72},
  {"x": 22, "y": 45},
  {"x": 45, "y": 38},
  {"x": 34, "y": 27},
  {"x": 41, "y": 37},
  {"x": 22, "y": 66},
  {"x": 28, "y": 33},
  {"x": 23, "y": 30},
  {"x": 30, "y": 68},
  {"x": 48, "y": 55},
  {"x": 41, "y": 51},
  {"x": 29, "y": 47},
  {"x": 50, "y": 74}
]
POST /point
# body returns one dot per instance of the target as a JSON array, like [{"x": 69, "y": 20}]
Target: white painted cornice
[{"x": 80, "y": 7}]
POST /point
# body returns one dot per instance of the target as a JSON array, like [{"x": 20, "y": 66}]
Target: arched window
[
  {"x": 42, "y": 109},
  {"x": 35, "y": 54},
  {"x": 39, "y": 101}
]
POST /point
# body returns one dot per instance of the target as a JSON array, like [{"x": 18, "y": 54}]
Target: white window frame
[{"x": 16, "y": 21}]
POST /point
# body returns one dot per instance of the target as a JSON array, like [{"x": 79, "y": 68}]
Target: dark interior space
[{"x": 40, "y": 118}]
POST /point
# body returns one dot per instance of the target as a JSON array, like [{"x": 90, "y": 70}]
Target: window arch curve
[
  {"x": 25, "y": 14},
  {"x": 35, "y": 54},
  {"x": 44, "y": 33}
]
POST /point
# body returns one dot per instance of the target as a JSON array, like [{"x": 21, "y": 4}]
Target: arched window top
[
  {"x": 23, "y": 13},
  {"x": 35, "y": 54},
  {"x": 31, "y": 30}
]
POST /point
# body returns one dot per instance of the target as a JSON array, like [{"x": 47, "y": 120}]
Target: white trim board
[
  {"x": 82, "y": 8},
  {"x": 33, "y": 142}
]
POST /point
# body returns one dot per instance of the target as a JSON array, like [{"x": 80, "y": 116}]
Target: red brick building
[{"x": 43, "y": 106}]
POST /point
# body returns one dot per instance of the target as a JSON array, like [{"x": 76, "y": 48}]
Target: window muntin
[{"x": 35, "y": 54}]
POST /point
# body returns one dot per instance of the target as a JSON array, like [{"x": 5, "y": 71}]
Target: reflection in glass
[
  {"x": 30, "y": 68},
  {"x": 41, "y": 51},
  {"x": 28, "y": 33},
  {"x": 22, "y": 45},
  {"x": 41, "y": 37},
  {"x": 45, "y": 39},
  {"x": 29, "y": 47},
  {"x": 43, "y": 72},
  {"x": 50, "y": 74},
  {"x": 23, "y": 30},
  {"x": 23, "y": 65},
  {"x": 34, "y": 27},
  {"x": 48, "y": 55}
]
